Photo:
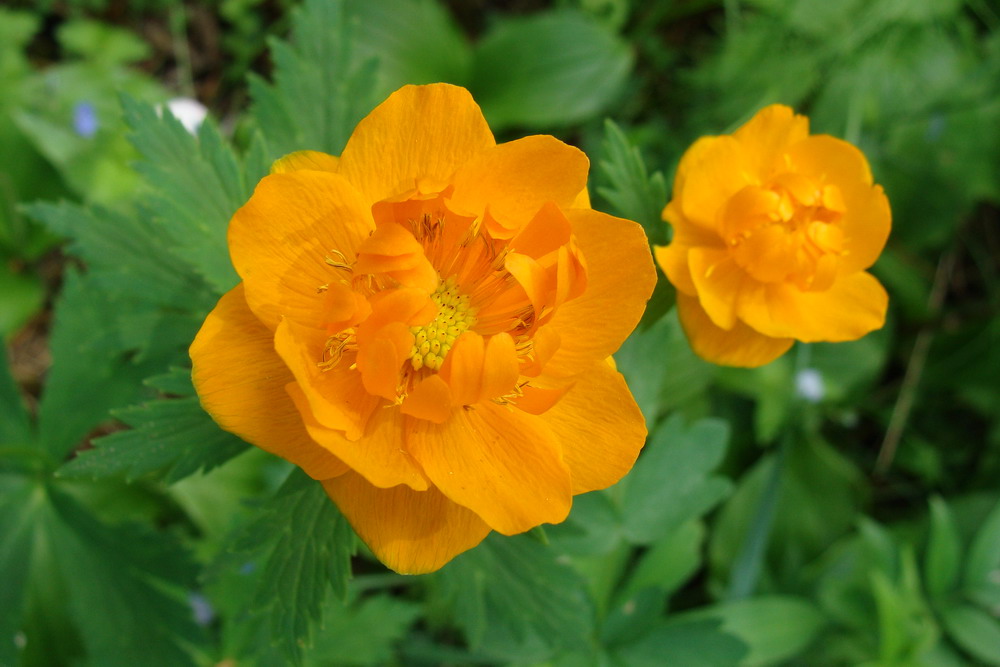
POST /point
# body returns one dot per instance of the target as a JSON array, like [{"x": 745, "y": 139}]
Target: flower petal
[
  {"x": 599, "y": 426},
  {"x": 280, "y": 239},
  {"x": 379, "y": 455},
  {"x": 336, "y": 397},
  {"x": 620, "y": 279},
  {"x": 412, "y": 532},
  {"x": 431, "y": 400},
  {"x": 673, "y": 260},
  {"x": 418, "y": 132},
  {"x": 853, "y": 306},
  {"x": 503, "y": 464},
  {"x": 514, "y": 179},
  {"x": 768, "y": 135},
  {"x": 867, "y": 219},
  {"x": 710, "y": 172},
  {"x": 311, "y": 160},
  {"x": 720, "y": 284},
  {"x": 738, "y": 346},
  {"x": 240, "y": 380}
]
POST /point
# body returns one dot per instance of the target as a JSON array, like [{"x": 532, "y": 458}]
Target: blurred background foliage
[{"x": 838, "y": 506}]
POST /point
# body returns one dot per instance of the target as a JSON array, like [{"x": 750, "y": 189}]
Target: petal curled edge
[
  {"x": 867, "y": 220},
  {"x": 503, "y": 464},
  {"x": 299, "y": 160},
  {"x": 853, "y": 306},
  {"x": 412, "y": 532},
  {"x": 419, "y": 131},
  {"x": 279, "y": 241},
  {"x": 711, "y": 171},
  {"x": 514, "y": 179},
  {"x": 620, "y": 279},
  {"x": 379, "y": 456},
  {"x": 739, "y": 346},
  {"x": 767, "y": 136},
  {"x": 599, "y": 426},
  {"x": 241, "y": 383}
]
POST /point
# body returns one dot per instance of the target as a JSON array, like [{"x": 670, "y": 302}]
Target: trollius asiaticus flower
[
  {"x": 773, "y": 230},
  {"x": 423, "y": 325}
]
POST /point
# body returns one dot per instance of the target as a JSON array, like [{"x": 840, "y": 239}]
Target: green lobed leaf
[
  {"x": 196, "y": 186},
  {"x": 513, "y": 599},
  {"x": 362, "y": 633},
  {"x": 975, "y": 631},
  {"x": 984, "y": 552},
  {"x": 301, "y": 546},
  {"x": 548, "y": 69},
  {"x": 632, "y": 192},
  {"x": 944, "y": 550},
  {"x": 174, "y": 437},
  {"x": 17, "y": 525},
  {"x": 671, "y": 482},
  {"x": 684, "y": 643},
  {"x": 321, "y": 89},
  {"x": 775, "y": 628}
]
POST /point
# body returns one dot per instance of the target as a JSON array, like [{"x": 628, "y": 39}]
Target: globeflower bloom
[
  {"x": 423, "y": 324},
  {"x": 773, "y": 230}
]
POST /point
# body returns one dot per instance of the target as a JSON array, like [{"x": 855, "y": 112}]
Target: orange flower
[
  {"x": 773, "y": 231},
  {"x": 423, "y": 324}
]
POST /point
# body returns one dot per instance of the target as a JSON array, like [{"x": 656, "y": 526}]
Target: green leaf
[
  {"x": 196, "y": 186},
  {"x": 17, "y": 525},
  {"x": 174, "y": 437},
  {"x": 684, "y": 643},
  {"x": 984, "y": 552},
  {"x": 414, "y": 42},
  {"x": 975, "y": 631},
  {"x": 670, "y": 562},
  {"x": 671, "y": 482},
  {"x": 15, "y": 426},
  {"x": 362, "y": 633},
  {"x": 632, "y": 192},
  {"x": 944, "y": 550},
  {"x": 102, "y": 42},
  {"x": 92, "y": 370},
  {"x": 320, "y": 88},
  {"x": 548, "y": 69},
  {"x": 511, "y": 593},
  {"x": 303, "y": 547},
  {"x": 134, "y": 578},
  {"x": 646, "y": 380},
  {"x": 775, "y": 628}
]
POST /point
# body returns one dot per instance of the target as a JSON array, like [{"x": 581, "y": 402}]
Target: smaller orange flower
[{"x": 773, "y": 231}]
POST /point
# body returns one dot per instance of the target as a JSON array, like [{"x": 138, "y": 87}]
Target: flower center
[
  {"x": 433, "y": 341},
  {"x": 787, "y": 231}
]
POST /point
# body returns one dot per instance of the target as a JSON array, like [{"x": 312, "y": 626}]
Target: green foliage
[{"x": 632, "y": 192}]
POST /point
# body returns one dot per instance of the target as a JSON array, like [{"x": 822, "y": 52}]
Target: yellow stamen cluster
[{"x": 433, "y": 341}]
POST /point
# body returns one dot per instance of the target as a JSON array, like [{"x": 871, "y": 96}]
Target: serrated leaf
[
  {"x": 671, "y": 482},
  {"x": 984, "y": 552},
  {"x": 548, "y": 69},
  {"x": 320, "y": 88},
  {"x": 197, "y": 186},
  {"x": 92, "y": 370},
  {"x": 511, "y": 595},
  {"x": 302, "y": 547},
  {"x": 775, "y": 628},
  {"x": 632, "y": 192},
  {"x": 362, "y": 633},
  {"x": 944, "y": 550},
  {"x": 134, "y": 578}
]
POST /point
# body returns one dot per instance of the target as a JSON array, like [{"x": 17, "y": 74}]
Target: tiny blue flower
[{"x": 85, "y": 119}]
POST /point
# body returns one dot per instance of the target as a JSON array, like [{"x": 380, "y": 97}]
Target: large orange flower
[
  {"x": 773, "y": 231},
  {"x": 423, "y": 324}
]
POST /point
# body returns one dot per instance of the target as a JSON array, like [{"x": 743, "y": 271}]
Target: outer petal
[
  {"x": 412, "y": 532},
  {"x": 620, "y": 279},
  {"x": 501, "y": 463},
  {"x": 720, "y": 284},
  {"x": 280, "y": 239},
  {"x": 710, "y": 172},
  {"x": 867, "y": 221},
  {"x": 739, "y": 346},
  {"x": 379, "y": 456},
  {"x": 418, "y": 132},
  {"x": 673, "y": 260},
  {"x": 514, "y": 179},
  {"x": 241, "y": 383},
  {"x": 854, "y": 306},
  {"x": 312, "y": 160},
  {"x": 599, "y": 426},
  {"x": 768, "y": 135}
]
